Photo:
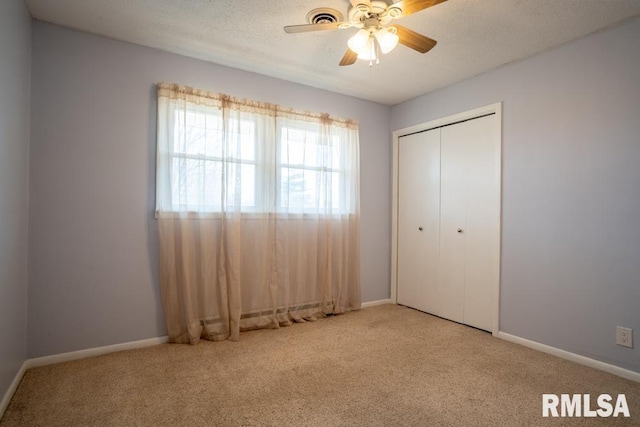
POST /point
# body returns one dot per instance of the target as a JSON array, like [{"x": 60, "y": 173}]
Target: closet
[{"x": 447, "y": 219}]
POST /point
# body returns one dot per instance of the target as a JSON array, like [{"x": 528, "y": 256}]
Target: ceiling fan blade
[
  {"x": 349, "y": 58},
  {"x": 415, "y": 41},
  {"x": 304, "y": 28},
  {"x": 412, "y": 6}
]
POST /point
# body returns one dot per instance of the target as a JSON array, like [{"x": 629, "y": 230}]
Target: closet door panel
[
  {"x": 482, "y": 232},
  {"x": 418, "y": 220},
  {"x": 452, "y": 224}
]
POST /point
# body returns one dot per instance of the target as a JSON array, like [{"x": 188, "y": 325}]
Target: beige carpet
[{"x": 380, "y": 366}]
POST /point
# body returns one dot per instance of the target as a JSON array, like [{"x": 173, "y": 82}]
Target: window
[
  {"x": 309, "y": 170},
  {"x": 219, "y": 156},
  {"x": 201, "y": 154}
]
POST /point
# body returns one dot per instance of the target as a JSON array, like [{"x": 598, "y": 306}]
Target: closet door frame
[{"x": 467, "y": 115}]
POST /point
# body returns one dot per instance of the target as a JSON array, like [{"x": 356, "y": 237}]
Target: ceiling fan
[{"x": 372, "y": 17}]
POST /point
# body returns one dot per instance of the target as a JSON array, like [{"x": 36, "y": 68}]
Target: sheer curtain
[{"x": 258, "y": 214}]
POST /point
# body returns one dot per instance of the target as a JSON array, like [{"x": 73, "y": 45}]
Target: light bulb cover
[
  {"x": 369, "y": 53},
  {"x": 387, "y": 39},
  {"x": 358, "y": 43}
]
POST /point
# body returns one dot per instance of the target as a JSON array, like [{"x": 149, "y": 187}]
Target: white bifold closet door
[
  {"x": 419, "y": 220},
  {"x": 449, "y": 221}
]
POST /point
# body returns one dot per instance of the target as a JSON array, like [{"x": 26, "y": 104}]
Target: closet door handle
[
  {"x": 459, "y": 230},
  {"x": 420, "y": 228}
]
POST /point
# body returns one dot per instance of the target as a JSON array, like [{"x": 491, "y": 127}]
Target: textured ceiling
[{"x": 473, "y": 36}]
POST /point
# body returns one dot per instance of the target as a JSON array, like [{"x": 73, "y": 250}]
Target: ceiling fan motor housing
[{"x": 361, "y": 13}]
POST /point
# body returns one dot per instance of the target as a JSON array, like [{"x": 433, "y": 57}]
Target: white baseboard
[
  {"x": 73, "y": 355},
  {"x": 582, "y": 360},
  {"x": 97, "y": 351},
  {"x": 374, "y": 303},
  {"x": 12, "y": 388}
]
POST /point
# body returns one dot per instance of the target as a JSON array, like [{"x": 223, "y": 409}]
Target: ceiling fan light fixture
[
  {"x": 387, "y": 39},
  {"x": 358, "y": 42},
  {"x": 370, "y": 51},
  {"x": 368, "y": 43}
]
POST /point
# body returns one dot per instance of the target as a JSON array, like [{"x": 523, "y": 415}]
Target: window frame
[{"x": 267, "y": 200}]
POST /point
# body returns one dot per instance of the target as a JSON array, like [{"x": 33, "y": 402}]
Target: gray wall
[
  {"x": 15, "y": 59},
  {"x": 571, "y": 189},
  {"x": 93, "y": 244}
]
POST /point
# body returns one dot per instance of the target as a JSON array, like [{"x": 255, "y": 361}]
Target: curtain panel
[{"x": 258, "y": 213}]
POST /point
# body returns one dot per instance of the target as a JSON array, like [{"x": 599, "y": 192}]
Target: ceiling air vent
[{"x": 324, "y": 15}]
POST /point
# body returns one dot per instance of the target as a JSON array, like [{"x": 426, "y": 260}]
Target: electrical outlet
[{"x": 624, "y": 336}]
